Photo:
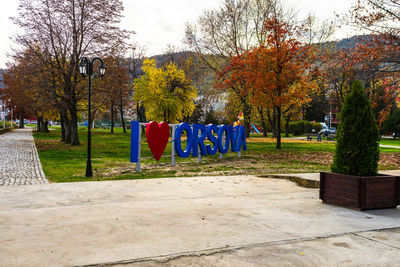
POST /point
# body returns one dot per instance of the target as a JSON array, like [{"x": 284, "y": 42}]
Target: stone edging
[
  {"x": 298, "y": 180},
  {"x": 38, "y": 165}
]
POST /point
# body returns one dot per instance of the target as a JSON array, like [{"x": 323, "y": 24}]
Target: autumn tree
[
  {"x": 135, "y": 63},
  {"x": 16, "y": 92},
  {"x": 315, "y": 34},
  {"x": 275, "y": 74},
  {"x": 226, "y": 32},
  {"x": 165, "y": 92},
  {"x": 381, "y": 18},
  {"x": 382, "y": 94},
  {"x": 115, "y": 88},
  {"x": 61, "y": 32},
  {"x": 26, "y": 88},
  {"x": 379, "y": 53}
]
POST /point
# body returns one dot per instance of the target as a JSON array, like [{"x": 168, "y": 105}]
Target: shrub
[
  {"x": 297, "y": 128},
  {"x": 8, "y": 124},
  {"x": 301, "y": 127},
  {"x": 357, "y": 148},
  {"x": 308, "y": 127},
  {"x": 317, "y": 127}
]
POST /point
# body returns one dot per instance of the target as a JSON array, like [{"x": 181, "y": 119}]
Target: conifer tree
[{"x": 357, "y": 148}]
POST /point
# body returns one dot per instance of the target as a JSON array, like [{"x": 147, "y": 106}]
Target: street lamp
[{"x": 86, "y": 67}]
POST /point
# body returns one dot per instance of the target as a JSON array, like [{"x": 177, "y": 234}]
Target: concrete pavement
[
  {"x": 373, "y": 248},
  {"x": 224, "y": 221}
]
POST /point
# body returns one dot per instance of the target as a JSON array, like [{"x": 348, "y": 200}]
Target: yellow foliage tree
[{"x": 165, "y": 92}]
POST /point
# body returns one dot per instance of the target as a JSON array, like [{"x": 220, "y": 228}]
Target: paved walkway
[
  {"x": 19, "y": 160},
  {"x": 198, "y": 221}
]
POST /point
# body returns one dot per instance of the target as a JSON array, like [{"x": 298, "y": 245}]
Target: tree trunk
[
  {"x": 272, "y": 122},
  {"x": 112, "y": 118},
  {"x": 263, "y": 124},
  {"x": 138, "y": 112},
  {"x": 67, "y": 124},
  {"x": 247, "y": 117},
  {"x": 278, "y": 127},
  {"x": 63, "y": 136},
  {"x": 39, "y": 121},
  {"x": 45, "y": 127},
  {"x": 74, "y": 127},
  {"x": 287, "y": 127},
  {"x": 21, "y": 118},
  {"x": 121, "y": 111}
]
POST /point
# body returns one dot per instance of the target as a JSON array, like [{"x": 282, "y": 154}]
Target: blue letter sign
[
  {"x": 226, "y": 136},
  {"x": 208, "y": 139}
]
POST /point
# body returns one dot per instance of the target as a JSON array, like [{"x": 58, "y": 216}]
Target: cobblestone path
[{"x": 19, "y": 160}]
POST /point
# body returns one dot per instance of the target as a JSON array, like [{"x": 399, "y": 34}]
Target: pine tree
[{"x": 357, "y": 148}]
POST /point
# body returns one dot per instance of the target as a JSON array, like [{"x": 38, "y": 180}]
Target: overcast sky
[{"x": 158, "y": 23}]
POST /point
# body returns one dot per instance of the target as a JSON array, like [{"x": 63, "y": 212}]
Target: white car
[{"x": 326, "y": 130}]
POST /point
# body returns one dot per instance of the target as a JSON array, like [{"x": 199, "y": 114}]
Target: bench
[
  {"x": 311, "y": 135},
  {"x": 320, "y": 136},
  {"x": 331, "y": 137}
]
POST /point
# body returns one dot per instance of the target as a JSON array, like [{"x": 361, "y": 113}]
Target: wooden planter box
[{"x": 357, "y": 192}]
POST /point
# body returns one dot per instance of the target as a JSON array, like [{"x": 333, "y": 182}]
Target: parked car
[{"x": 327, "y": 131}]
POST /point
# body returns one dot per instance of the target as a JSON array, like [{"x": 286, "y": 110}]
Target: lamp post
[{"x": 86, "y": 67}]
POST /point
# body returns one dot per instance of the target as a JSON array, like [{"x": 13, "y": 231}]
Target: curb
[
  {"x": 296, "y": 179},
  {"x": 5, "y": 130},
  {"x": 38, "y": 166}
]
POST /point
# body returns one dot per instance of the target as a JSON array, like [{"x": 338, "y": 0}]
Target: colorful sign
[
  {"x": 235, "y": 138},
  {"x": 157, "y": 137},
  {"x": 221, "y": 139}
]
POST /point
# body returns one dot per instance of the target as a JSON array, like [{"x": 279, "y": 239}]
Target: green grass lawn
[
  {"x": 390, "y": 142},
  {"x": 283, "y": 135},
  {"x": 110, "y": 158}
]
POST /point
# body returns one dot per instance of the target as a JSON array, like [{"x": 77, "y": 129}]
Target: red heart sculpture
[{"x": 157, "y": 137}]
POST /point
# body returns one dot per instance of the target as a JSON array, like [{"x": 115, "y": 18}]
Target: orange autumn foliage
[{"x": 276, "y": 74}]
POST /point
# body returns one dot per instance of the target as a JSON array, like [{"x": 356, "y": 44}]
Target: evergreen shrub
[{"x": 357, "y": 148}]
